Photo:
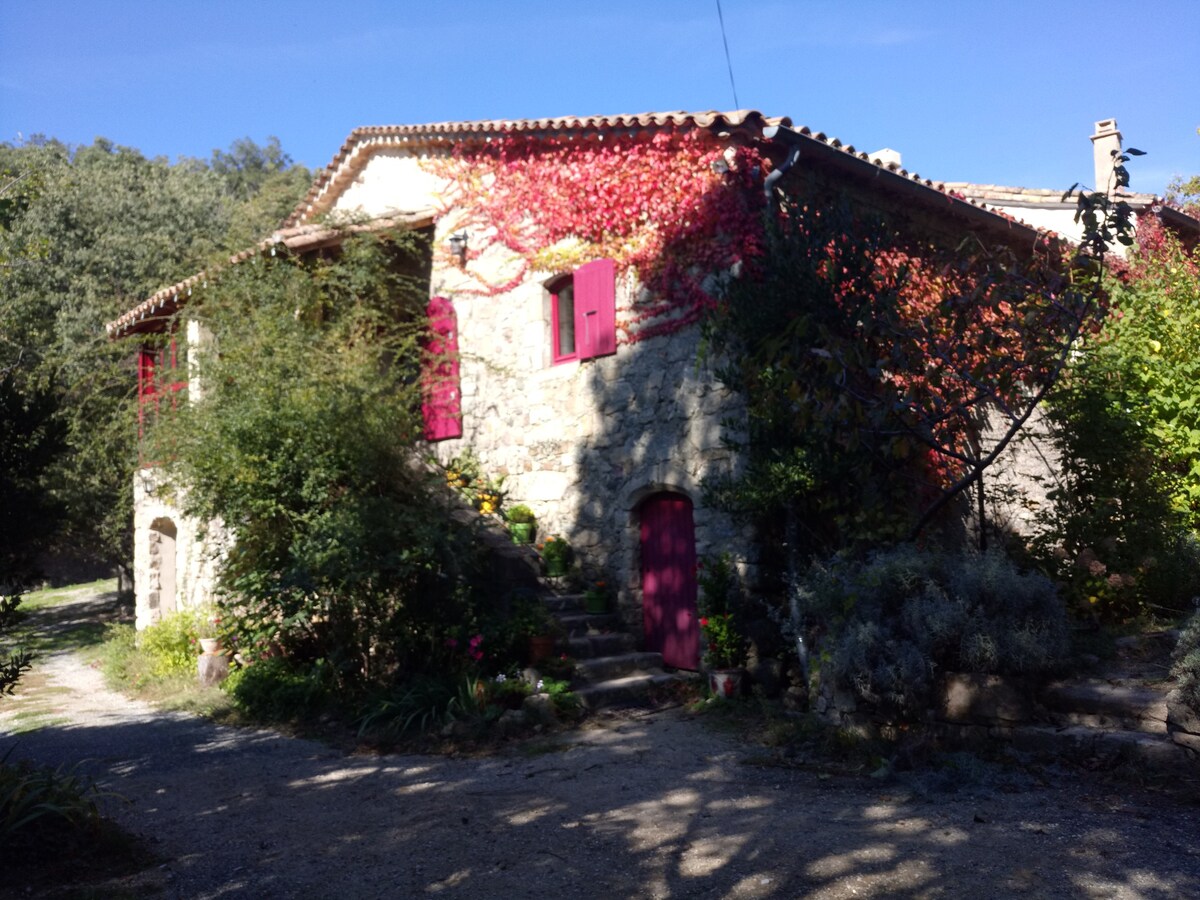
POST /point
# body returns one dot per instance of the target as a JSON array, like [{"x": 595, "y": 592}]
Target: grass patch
[
  {"x": 29, "y": 721},
  {"x": 57, "y": 596},
  {"x": 129, "y": 668}
]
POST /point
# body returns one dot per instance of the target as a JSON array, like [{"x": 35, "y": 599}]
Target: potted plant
[
  {"x": 543, "y": 641},
  {"x": 595, "y": 599},
  {"x": 462, "y": 471},
  {"x": 521, "y": 523},
  {"x": 556, "y": 555},
  {"x": 724, "y": 643},
  {"x": 489, "y": 495},
  {"x": 534, "y": 629}
]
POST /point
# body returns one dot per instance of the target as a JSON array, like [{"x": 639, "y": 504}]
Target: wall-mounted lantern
[{"x": 458, "y": 246}]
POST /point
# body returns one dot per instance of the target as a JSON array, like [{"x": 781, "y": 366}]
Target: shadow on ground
[{"x": 655, "y": 806}]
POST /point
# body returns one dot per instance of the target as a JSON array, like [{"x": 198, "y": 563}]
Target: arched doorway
[
  {"x": 162, "y": 567},
  {"x": 668, "y": 555}
]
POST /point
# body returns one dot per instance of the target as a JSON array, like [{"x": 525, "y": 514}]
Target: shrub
[
  {"x": 276, "y": 690},
  {"x": 19, "y": 661},
  {"x": 423, "y": 704},
  {"x": 903, "y": 616},
  {"x": 36, "y": 801},
  {"x": 1185, "y": 668},
  {"x": 171, "y": 644}
]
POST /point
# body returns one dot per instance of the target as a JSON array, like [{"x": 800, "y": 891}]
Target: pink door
[{"x": 669, "y": 580}]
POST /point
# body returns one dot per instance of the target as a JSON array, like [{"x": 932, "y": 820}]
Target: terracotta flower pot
[{"x": 540, "y": 647}]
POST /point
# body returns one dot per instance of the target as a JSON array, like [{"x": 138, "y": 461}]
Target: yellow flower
[{"x": 1155, "y": 346}]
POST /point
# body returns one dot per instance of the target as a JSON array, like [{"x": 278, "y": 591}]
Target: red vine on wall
[{"x": 674, "y": 208}]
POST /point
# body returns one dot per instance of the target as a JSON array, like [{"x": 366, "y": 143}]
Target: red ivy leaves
[{"x": 671, "y": 207}]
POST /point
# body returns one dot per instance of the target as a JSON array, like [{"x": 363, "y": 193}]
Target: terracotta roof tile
[{"x": 363, "y": 142}]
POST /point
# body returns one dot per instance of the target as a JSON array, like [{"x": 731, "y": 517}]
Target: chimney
[
  {"x": 887, "y": 157},
  {"x": 1106, "y": 146}
]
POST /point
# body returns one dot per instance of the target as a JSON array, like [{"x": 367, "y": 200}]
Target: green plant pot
[
  {"x": 522, "y": 532},
  {"x": 596, "y": 606},
  {"x": 556, "y": 568}
]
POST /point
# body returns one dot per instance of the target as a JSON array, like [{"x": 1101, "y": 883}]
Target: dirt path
[{"x": 653, "y": 805}]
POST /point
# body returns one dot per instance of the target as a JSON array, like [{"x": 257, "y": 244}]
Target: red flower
[{"x": 703, "y": 621}]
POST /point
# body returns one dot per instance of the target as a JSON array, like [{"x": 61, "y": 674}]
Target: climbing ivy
[{"x": 673, "y": 208}]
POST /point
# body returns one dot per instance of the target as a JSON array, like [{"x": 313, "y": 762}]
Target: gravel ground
[{"x": 633, "y": 805}]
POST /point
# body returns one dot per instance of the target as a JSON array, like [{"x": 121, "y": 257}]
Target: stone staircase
[
  {"x": 610, "y": 670},
  {"x": 1118, "y": 716}
]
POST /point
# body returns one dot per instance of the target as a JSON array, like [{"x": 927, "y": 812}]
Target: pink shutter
[
  {"x": 596, "y": 309},
  {"x": 441, "y": 405}
]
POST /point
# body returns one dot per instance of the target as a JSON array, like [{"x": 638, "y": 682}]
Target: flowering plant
[
  {"x": 724, "y": 644},
  {"x": 555, "y": 548},
  {"x": 724, "y": 647},
  {"x": 462, "y": 471},
  {"x": 595, "y": 598}
]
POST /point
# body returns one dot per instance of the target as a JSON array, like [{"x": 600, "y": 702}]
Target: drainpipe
[
  {"x": 796, "y": 614},
  {"x": 773, "y": 179}
]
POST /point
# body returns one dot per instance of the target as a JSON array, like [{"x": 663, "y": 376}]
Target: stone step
[
  {"x": 606, "y": 668},
  {"x": 582, "y": 624},
  {"x": 1102, "y": 748},
  {"x": 563, "y": 603},
  {"x": 1103, "y": 705},
  {"x": 628, "y": 690},
  {"x": 593, "y": 645}
]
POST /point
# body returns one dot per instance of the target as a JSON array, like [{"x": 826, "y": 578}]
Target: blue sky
[{"x": 994, "y": 91}]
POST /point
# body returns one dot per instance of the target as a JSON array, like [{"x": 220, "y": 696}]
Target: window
[
  {"x": 583, "y": 318},
  {"x": 441, "y": 404},
  {"x": 562, "y": 319}
]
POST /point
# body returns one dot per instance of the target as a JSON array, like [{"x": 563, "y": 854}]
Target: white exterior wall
[{"x": 193, "y": 560}]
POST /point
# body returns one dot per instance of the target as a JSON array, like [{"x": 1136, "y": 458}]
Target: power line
[{"x": 728, "y": 61}]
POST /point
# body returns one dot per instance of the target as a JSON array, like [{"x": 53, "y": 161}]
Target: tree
[
  {"x": 1186, "y": 192},
  {"x": 878, "y": 362},
  {"x": 86, "y": 233},
  {"x": 887, "y": 364},
  {"x": 1127, "y": 418},
  {"x": 305, "y": 444}
]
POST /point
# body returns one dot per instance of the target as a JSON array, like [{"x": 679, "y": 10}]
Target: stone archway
[{"x": 163, "y": 586}]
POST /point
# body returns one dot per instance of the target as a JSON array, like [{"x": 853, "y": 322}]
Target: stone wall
[
  {"x": 1018, "y": 485},
  {"x": 583, "y": 443}
]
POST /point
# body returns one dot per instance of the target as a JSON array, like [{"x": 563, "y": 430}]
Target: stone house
[
  {"x": 570, "y": 262},
  {"x": 1051, "y": 209}
]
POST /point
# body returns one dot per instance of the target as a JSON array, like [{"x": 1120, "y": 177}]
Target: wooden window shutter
[
  {"x": 596, "y": 309},
  {"x": 441, "y": 403},
  {"x": 147, "y": 384}
]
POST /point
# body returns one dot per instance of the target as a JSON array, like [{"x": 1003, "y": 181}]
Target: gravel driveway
[{"x": 633, "y": 805}]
